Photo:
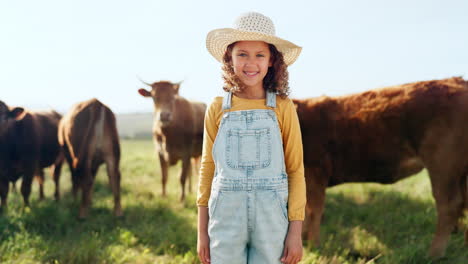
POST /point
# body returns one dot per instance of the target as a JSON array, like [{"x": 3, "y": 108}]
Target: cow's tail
[{"x": 76, "y": 157}]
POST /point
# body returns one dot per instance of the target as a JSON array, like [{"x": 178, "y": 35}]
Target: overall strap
[
  {"x": 227, "y": 101},
  {"x": 271, "y": 99}
]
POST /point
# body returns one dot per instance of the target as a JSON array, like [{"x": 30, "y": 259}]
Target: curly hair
[{"x": 276, "y": 79}]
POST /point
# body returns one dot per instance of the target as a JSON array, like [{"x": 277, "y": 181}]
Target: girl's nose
[{"x": 250, "y": 62}]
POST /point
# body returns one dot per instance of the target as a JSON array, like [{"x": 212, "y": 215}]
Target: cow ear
[
  {"x": 176, "y": 87},
  {"x": 144, "y": 92},
  {"x": 17, "y": 113}
]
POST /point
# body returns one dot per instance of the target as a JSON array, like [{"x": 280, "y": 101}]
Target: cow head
[
  {"x": 8, "y": 116},
  {"x": 164, "y": 95}
]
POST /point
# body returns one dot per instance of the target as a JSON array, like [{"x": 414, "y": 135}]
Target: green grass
[{"x": 363, "y": 223}]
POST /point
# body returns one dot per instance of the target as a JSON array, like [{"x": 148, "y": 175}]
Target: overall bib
[{"x": 248, "y": 214}]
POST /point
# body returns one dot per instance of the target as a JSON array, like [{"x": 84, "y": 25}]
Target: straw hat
[{"x": 254, "y": 27}]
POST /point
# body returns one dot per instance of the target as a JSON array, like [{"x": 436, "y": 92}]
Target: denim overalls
[{"x": 248, "y": 215}]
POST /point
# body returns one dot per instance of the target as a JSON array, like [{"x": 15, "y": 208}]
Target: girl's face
[{"x": 250, "y": 61}]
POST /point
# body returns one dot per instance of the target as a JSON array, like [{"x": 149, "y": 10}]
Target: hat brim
[{"x": 217, "y": 41}]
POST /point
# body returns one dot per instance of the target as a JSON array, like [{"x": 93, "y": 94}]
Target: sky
[{"x": 55, "y": 53}]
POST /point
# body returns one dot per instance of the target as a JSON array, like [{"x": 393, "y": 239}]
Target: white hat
[{"x": 250, "y": 26}]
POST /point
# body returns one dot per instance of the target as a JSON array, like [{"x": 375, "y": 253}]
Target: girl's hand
[
  {"x": 292, "y": 253},
  {"x": 203, "y": 248}
]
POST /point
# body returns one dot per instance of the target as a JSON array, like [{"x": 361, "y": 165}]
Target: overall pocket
[
  {"x": 282, "y": 202},
  {"x": 248, "y": 149},
  {"x": 213, "y": 202}
]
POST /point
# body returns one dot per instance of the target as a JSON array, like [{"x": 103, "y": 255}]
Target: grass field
[{"x": 364, "y": 223}]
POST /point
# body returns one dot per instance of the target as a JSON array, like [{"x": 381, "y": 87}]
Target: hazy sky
[{"x": 54, "y": 53}]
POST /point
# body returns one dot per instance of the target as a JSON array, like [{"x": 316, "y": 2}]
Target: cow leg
[
  {"x": 164, "y": 166},
  {"x": 73, "y": 172},
  {"x": 315, "y": 206},
  {"x": 191, "y": 172},
  {"x": 40, "y": 180},
  {"x": 86, "y": 184},
  {"x": 4, "y": 185},
  {"x": 76, "y": 182},
  {"x": 86, "y": 192},
  {"x": 183, "y": 176},
  {"x": 314, "y": 212},
  {"x": 26, "y": 187},
  {"x": 449, "y": 203},
  {"x": 113, "y": 172},
  {"x": 56, "y": 175},
  {"x": 195, "y": 170}
]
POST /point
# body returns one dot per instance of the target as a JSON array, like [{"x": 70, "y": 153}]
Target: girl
[{"x": 251, "y": 193}]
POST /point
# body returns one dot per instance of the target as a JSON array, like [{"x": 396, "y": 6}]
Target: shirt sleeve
[
  {"x": 293, "y": 157},
  {"x": 207, "y": 164}
]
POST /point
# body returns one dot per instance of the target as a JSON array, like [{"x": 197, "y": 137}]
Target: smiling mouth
[{"x": 251, "y": 74}]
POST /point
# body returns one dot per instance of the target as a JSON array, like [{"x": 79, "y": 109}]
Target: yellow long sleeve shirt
[{"x": 292, "y": 145}]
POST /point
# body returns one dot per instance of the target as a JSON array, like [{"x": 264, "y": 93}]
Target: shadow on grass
[{"x": 391, "y": 222}]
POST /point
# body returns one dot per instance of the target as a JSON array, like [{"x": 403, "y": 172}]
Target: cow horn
[{"x": 149, "y": 84}]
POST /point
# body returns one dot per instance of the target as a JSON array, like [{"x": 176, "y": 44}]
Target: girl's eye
[
  {"x": 242, "y": 55},
  {"x": 260, "y": 55}
]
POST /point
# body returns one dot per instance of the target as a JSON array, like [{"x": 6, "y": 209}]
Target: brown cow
[
  {"x": 28, "y": 144},
  {"x": 385, "y": 135},
  {"x": 177, "y": 129},
  {"x": 88, "y": 135}
]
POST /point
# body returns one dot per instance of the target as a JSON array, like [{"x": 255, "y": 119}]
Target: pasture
[{"x": 364, "y": 223}]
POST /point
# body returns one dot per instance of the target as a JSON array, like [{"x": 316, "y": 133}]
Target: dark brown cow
[
  {"x": 386, "y": 135},
  {"x": 28, "y": 143},
  {"x": 177, "y": 129},
  {"x": 88, "y": 135}
]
